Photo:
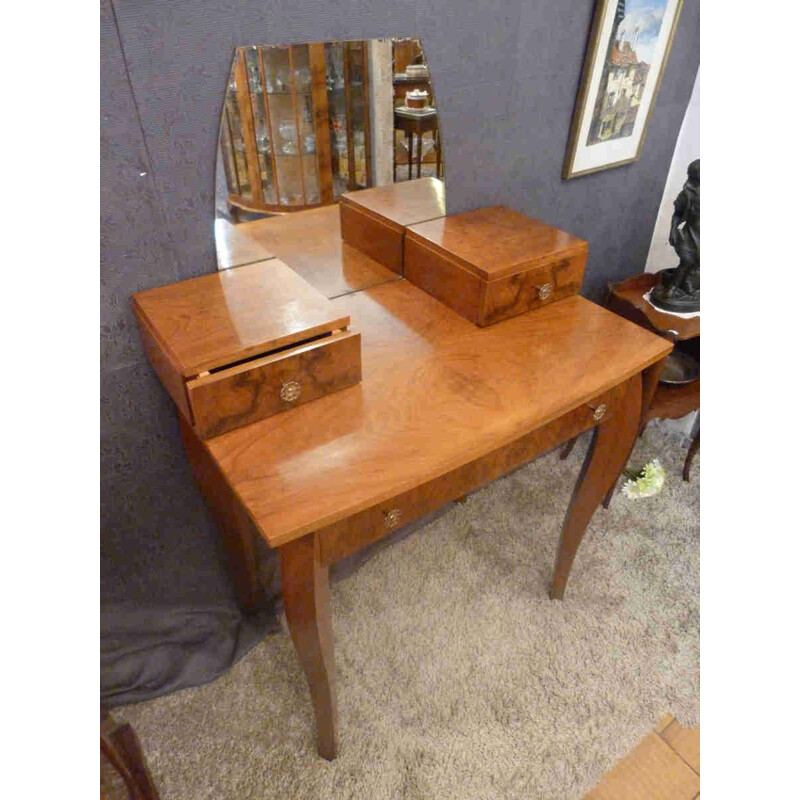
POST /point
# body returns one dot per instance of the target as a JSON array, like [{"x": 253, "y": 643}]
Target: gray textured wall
[{"x": 506, "y": 75}]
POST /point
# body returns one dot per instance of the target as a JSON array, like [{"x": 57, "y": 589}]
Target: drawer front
[
  {"x": 248, "y": 392},
  {"x": 348, "y": 536},
  {"x": 442, "y": 278},
  {"x": 376, "y": 239},
  {"x": 516, "y": 294}
]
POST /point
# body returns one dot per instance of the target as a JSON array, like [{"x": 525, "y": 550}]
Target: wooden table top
[
  {"x": 496, "y": 241},
  {"x": 437, "y": 392},
  {"x": 310, "y": 242},
  {"x": 238, "y": 244}
]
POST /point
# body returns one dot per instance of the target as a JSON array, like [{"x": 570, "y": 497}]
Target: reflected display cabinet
[
  {"x": 416, "y": 136},
  {"x": 295, "y": 131}
]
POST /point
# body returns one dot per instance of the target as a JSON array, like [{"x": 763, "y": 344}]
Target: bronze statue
[{"x": 678, "y": 288}]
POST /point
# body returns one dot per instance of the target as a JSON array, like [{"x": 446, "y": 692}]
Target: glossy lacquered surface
[
  {"x": 237, "y": 246},
  {"x": 403, "y": 203},
  {"x": 215, "y": 320},
  {"x": 230, "y": 398},
  {"x": 374, "y": 220},
  {"x": 496, "y": 241},
  {"x": 436, "y": 393},
  {"x": 310, "y": 242}
]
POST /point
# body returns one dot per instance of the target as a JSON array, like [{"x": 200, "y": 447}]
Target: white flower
[{"x": 646, "y": 483}]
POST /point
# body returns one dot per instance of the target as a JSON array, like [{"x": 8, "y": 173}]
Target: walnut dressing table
[{"x": 443, "y": 407}]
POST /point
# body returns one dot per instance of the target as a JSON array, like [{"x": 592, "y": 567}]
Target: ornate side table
[
  {"x": 659, "y": 400},
  {"x": 411, "y": 123}
]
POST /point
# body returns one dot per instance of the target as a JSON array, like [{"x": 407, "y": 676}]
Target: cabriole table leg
[
  {"x": 306, "y": 598},
  {"x": 693, "y": 448},
  {"x": 611, "y": 445}
]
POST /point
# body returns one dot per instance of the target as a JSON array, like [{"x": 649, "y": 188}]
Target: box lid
[
  {"x": 401, "y": 203},
  {"x": 218, "y": 319},
  {"x": 497, "y": 241}
]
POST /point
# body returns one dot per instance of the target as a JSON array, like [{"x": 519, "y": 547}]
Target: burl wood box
[
  {"x": 374, "y": 220},
  {"x": 493, "y": 263},
  {"x": 245, "y": 343}
]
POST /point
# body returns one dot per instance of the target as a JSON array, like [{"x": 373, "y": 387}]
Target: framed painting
[{"x": 628, "y": 49}]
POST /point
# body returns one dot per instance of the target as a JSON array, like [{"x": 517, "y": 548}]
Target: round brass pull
[
  {"x": 545, "y": 290},
  {"x": 290, "y": 391},
  {"x": 392, "y": 518},
  {"x": 599, "y": 412}
]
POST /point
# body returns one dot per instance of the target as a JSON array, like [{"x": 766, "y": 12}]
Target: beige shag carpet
[{"x": 457, "y": 676}]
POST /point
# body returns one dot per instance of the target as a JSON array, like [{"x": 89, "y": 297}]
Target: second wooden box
[{"x": 493, "y": 263}]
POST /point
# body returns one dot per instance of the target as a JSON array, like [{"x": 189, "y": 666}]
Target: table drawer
[
  {"x": 525, "y": 291},
  {"x": 231, "y": 397},
  {"x": 350, "y": 535}
]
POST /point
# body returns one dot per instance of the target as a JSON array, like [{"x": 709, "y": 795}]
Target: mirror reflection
[{"x": 303, "y": 124}]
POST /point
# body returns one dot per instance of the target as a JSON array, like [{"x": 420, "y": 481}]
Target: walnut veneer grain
[
  {"x": 497, "y": 241},
  {"x": 493, "y": 263},
  {"x": 443, "y": 407},
  {"x": 251, "y": 391},
  {"x": 436, "y": 393},
  {"x": 236, "y": 346},
  {"x": 216, "y": 319}
]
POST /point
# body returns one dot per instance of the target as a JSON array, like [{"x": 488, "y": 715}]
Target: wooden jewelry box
[
  {"x": 493, "y": 263},
  {"x": 245, "y": 343},
  {"x": 374, "y": 220}
]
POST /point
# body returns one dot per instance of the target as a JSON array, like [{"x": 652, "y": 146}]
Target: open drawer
[
  {"x": 245, "y": 343},
  {"x": 229, "y": 398}
]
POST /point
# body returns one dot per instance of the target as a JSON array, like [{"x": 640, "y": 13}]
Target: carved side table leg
[
  {"x": 306, "y": 598},
  {"x": 611, "y": 445},
  {"x": 568, "y": 447},
  {"x": 693, "y": 448}
]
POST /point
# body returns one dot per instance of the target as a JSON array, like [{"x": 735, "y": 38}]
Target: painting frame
[{"x": 594, "y": 62}]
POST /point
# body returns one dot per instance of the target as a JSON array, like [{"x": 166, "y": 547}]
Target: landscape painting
[{"x": 628, "y": 49}]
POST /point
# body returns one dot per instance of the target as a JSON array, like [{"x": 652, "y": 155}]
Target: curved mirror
[{"x": 303, "y": 124}]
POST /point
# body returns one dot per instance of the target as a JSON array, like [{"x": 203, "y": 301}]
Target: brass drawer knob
[
  {"x": 290, "y": 391},
  {"x": 545, "y": 290},
  {"x": 392, "y": 518},
  {"x": 599, "y": 412}
]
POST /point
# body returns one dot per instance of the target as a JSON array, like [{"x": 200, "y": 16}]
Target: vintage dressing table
[
  {"x": 356, "y": 366},
  {"x": 442, "y": 408}
]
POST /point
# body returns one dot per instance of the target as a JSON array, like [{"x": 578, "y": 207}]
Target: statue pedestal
[{"x": 675, "y": 300}]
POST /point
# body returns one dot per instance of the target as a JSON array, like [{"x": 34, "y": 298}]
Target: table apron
[{"x": 350, "y": 535}]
